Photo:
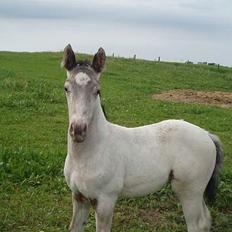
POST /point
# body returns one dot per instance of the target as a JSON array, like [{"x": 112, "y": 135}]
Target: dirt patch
[
  {"x": 218, "y": 98},
  {"x": 150, "y": 216}
]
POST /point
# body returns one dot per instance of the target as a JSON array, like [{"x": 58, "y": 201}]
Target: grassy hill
[{"x": 33, "y": 128}]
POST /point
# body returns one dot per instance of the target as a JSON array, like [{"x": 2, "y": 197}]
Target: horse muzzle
[{"x": 78, "y": 131}]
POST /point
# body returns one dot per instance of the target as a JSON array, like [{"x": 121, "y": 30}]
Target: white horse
[{"x": 105, "y": 161}]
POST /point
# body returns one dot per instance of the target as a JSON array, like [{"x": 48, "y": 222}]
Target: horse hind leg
[{"x": 197, "y": 215}]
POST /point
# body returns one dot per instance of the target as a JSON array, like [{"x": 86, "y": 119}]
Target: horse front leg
[
  {"x": 81, "y": 207},
  {"x": 104, "y": 213}
]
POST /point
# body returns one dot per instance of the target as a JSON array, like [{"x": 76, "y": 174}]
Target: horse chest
[
  {"x": 84, "y": 178},
  {"x": 80, "y": 182}
]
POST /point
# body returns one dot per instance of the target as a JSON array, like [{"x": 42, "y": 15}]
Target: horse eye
[{"x": 66, "y": 89}]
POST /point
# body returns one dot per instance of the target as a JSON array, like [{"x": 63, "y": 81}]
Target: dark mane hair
[
  {"x": 103, "y": 107},
  {"x": 104, "y": 111},
  {"x": 83, "y": 63}
]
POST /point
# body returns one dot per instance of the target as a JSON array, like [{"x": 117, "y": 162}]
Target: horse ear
[
  {"x": 69, "y": 60},
  {"x": 99, "y": 60}
]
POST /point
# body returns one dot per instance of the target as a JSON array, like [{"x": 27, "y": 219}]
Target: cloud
[
  {"x": 180, "y": 27},
  {"x": 186, "y": 15}
]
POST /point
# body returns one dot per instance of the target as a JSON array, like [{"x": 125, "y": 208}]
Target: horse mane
[
  {"x": 103, "y": 107},
  {"x": 104, "y": 111},
  {"x": 83, "y": 63}
]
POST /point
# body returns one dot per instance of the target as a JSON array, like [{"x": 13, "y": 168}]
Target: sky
[{"x": 175, "y": 30}]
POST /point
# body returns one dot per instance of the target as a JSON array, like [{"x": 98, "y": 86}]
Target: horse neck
[
  {"x": 97, "y": 132},
  {"x": 99, "y": 125}
]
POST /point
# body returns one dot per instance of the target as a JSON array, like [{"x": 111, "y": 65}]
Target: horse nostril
[
  {"x": 80, "y": 129},
  {"x": 77, "y": 131},
  {"x": 72, "y": 129},
  {"x": 84, "y": 127}
]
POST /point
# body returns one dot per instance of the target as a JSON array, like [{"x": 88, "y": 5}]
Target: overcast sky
[{"x": 175, "y": 30}]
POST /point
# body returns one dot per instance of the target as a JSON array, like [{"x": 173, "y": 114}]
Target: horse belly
[{"x": 141, "y": 181}]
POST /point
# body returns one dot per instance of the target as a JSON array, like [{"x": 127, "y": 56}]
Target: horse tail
[{"x": 211, "y": 187}]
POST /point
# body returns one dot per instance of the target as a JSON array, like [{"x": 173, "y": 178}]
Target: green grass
[{"x": 33, "y": 128}]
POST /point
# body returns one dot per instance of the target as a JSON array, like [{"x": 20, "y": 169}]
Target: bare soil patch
[
  {"x": 150, "y": 216},
  {"x": 218, "y": 98}
]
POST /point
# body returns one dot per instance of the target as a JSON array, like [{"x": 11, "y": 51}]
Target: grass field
[{"x": 33, "y": 125}]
